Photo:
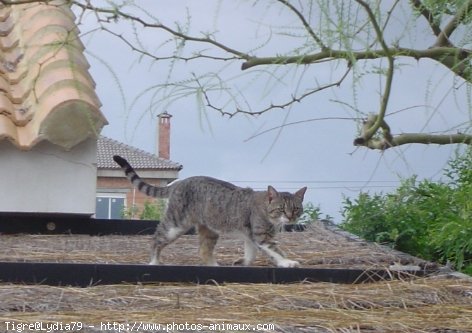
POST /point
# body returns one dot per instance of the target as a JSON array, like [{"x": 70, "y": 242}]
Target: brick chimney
[{"x": 163, "y": 135}]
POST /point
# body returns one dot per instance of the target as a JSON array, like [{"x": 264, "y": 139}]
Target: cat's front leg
[
  {"x": 273, "y": 251},
  {"x": 250, "y": 252}
]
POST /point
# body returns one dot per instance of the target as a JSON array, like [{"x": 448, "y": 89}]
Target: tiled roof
[
  {"x": 46, "y": 92},
  {"x": 138, "y": 158}
]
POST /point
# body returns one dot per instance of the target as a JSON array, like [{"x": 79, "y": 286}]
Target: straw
[
  {"x": 421, "y": 305},
  {"x": 433, "y": 304},
  {"x": 316, "y": 247}
]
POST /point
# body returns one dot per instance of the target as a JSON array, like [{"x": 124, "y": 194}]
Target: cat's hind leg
[
  {"x": 164, "y": 235},
  {"x": 208, "y": 239}
]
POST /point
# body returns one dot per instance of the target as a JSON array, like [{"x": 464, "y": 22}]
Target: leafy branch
[
  {"x": 443, "y": 51},
  {"x": 361, "y": 40}
]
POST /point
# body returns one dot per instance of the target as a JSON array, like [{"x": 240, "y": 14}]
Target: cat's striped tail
[{"x": 142, "y": 186}]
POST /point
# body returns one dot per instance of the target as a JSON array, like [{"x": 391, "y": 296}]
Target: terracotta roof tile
[
  {"x": 46, "y": 92},
  {"x": 138, "y": 158}
]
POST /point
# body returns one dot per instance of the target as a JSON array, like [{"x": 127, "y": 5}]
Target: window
[{"x": 109, "y": 206}]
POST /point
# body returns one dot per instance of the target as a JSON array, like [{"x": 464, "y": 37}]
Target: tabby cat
[{"x": 213, "y": 207}]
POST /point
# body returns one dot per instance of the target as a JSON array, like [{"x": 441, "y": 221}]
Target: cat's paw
[
  {"x": 287, "y": 263},
  {"x": 242, "y": 262},
  {"x": 212, "y": 263},
  {"x": 238, "y": 262},
  {"x": 154, "y": 262}
]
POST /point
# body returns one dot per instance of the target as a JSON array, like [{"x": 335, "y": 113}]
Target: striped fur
[
  {"x": 213, "y": 207},
  {"x": 142, "y": 186}
]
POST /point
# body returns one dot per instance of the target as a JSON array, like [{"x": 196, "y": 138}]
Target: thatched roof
[
  {"x": 319, "y": 246},
  {"x": 424, "y": 305},
  {"x": 434, "y": 304}
]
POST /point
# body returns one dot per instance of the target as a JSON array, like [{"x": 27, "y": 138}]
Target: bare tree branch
[
  {"x": 422, "y": 138},
  {"x": 387, "y": 140},
  {"x": 454, "y": 58},
  {"x": 305, "y": 24},
  {"x": 293, "y": 100},
  {"x": 170, "y": 57},
  {"x": 379, "y": 120},
  {"x": 118, "y": 13},
  {"x": 376, "y": 133},
  {"x": 376, "y": 26}
]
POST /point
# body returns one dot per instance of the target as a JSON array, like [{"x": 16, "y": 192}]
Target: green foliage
[
  {"x": 129, "y": 212},
  {"x": 152, "y": 210},
  {"x": 432, "y": 220},
  {"x": 441, "y": 8},
  {"x": 310, "y": 214}
]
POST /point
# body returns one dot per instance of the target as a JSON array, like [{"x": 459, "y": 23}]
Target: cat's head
[{"x": 284, "y": 207}]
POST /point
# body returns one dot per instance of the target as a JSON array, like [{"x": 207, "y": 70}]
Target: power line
[
  {"x": 350, "y": 188},
  {"x": 316, "y": 181},
  {"x": 349, "y": 185}
]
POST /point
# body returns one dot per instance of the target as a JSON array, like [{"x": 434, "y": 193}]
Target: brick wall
[{"x": 132, "y": 195}]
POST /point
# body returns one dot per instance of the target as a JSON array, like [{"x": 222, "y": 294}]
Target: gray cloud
[{"x": 319, "y": 154}]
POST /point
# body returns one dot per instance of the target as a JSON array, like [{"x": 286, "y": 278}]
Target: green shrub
[
  {"x": 432, "y": 220},
  {"x": 129, "y": 212},
  {"x": 310, "y": 214},
  {"x": 152, "y": 210}
]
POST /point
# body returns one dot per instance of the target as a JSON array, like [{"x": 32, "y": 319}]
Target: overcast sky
[{"x": 317, "y": 153}]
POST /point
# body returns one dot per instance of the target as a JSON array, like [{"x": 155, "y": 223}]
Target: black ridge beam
[
  {"x": 53, "y": 274},
  {"x": 111, "y": 274},
  {"x": 72, "y": 224},
  {"x": 84, "y": 275}
]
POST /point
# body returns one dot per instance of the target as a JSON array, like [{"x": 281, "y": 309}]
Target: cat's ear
[
  {"x": 301, "y": 193},
  {"x": 271, "y": 193}
]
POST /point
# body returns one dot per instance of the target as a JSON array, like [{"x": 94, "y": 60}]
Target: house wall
[{"x": 48, "y": 179}]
